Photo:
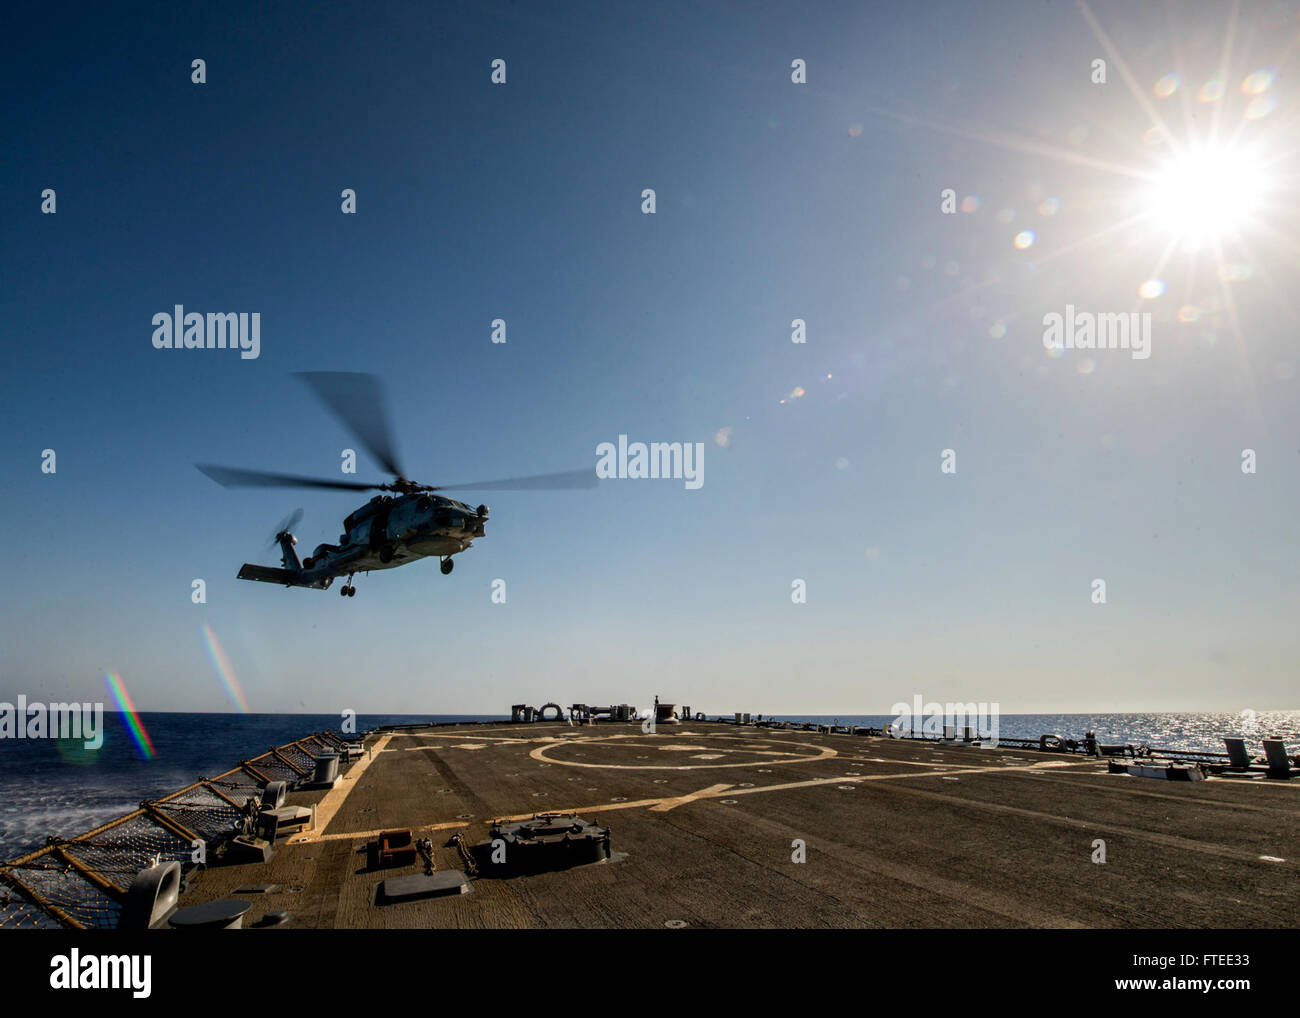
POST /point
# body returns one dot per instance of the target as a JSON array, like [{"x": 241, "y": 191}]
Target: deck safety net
[{"x": 81, "y": 882}]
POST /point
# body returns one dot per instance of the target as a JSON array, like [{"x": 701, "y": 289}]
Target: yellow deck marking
[
  {"x": 372, "y": 835},
  {"x": 329, "y": 806},
  {"x": 608, "y": 806},
  {"x": 336, "y": 796},
  {"x": 660, "y": 804},
  {"x": 824, "y": 753},
  {"x": 682, "y": 800},
  {"x": 667, "y": 803},
  {"x": 497, "y": 742}
]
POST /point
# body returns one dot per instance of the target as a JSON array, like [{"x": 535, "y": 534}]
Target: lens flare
[
  {"x": 1261, "y": 106},
  {"x": 1211, "y": 91},
  {"x": 1235, "y": 272},
  {"x": 130, "y": 716},
  {"x": 226, "y": 671},
  {"x": 1258, "y": 82}
]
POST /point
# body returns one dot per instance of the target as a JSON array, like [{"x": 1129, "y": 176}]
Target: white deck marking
[{"x": 823, "y": 753}]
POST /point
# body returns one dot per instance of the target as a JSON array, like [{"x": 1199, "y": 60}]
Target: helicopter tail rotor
[{"x": 287, "y": 524}]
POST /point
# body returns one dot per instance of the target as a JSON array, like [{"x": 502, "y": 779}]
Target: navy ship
[{"x": 600, "y": 818}]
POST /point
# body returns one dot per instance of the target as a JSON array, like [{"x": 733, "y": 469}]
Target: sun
[{"x": 1206, "y": 193}]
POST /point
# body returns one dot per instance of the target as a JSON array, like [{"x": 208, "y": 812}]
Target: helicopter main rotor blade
[
  {"x": 536, "y": 482},
  {"x": 231, "y": 477},
  {"x": 357, "y": 400}
]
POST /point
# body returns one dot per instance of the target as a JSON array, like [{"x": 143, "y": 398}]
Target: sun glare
[{"x": 1206, "y": 193}]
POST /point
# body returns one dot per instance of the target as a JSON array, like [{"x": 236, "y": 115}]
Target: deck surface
[{"x": 704, "y": 818}]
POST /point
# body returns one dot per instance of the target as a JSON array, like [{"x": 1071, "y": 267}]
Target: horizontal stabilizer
[{"x": 269, "y": 574}]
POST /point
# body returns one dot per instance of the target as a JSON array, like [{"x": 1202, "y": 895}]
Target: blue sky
[{"x": 775, "y": 201}]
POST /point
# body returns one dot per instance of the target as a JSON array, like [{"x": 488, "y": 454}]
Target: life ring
[
  {"x": 1050, "y": 744},
  {"x": 559, "y": 712}
]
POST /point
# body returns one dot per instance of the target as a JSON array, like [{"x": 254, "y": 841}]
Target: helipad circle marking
[{"x": 822, "y": 753}]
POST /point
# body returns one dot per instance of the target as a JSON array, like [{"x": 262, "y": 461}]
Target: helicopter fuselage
[{"x": 387, "y": 532}]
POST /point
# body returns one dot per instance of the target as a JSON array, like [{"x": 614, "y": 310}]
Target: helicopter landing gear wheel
[
  {"x": 347, "y": 590},
  {"x": 447, "y": 566}
]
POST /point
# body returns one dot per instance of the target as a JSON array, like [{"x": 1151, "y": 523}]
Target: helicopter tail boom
[{"x": 270, "y": 574}]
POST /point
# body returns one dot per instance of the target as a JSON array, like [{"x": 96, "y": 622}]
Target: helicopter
[{"x": 391, "y": 530}]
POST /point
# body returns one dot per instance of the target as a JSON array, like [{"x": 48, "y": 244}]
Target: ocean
[{"x": 49, "y": 788}]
